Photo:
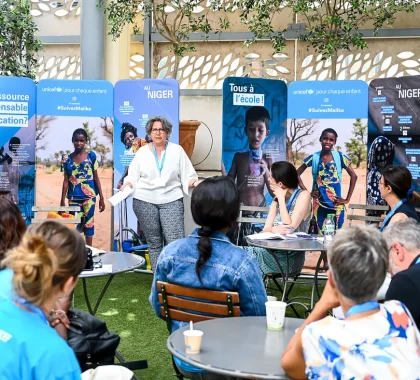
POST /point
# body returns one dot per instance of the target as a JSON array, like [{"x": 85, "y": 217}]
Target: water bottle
[{"x": 329, "y": 228}]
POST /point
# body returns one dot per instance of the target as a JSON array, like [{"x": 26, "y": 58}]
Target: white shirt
[{"x": 168, "y": 186}]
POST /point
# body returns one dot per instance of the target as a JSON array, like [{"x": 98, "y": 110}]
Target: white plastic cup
[
  {"x": 276, "y": 311},
  {"x": 193, "y": 341},
  {"x": 271, "y": 298}
]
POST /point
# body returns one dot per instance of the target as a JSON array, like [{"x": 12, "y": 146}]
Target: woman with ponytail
[
  {"x": 45, "y": 266},
  {"x": 208, "y": 260},
  {"x": 396, "y": 187}
]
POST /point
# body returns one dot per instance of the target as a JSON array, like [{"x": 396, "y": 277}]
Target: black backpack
[{"x": 90, "y": 339}]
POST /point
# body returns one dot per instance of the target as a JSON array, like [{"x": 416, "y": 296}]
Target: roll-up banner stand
[
  {"x": 17, "y": 142},
  {"x": 136, "y": 101},
  {"x": 394, "y": 130},
  {"x": 254, "y": 136},
  {"x": 314, "y": 106},
  {"x": 62, "y": 107}
]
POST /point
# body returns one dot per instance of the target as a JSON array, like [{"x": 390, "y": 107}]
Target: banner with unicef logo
[
  {"x": 64, "y": 107},
  {"x": 17, "y": 142},
  {"x": 394, "y": 130},
  {"x": 254, "y": 134},
  {"x": 316, "y": 106},
  {"x": 137, "y": 101}
]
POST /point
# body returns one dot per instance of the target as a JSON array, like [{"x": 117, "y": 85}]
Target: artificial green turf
[{"x": 126, "y": 310}]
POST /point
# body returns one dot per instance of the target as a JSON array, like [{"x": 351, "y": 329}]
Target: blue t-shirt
[
  {"x": 31, "y": 349},
  {"x": 6, "y": 289}
]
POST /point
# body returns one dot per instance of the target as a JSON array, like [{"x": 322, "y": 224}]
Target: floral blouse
[
  {"x": 384, "y": 345},
  {"x": 81, "y": 181},
  {"x": 328, "y": 180}
]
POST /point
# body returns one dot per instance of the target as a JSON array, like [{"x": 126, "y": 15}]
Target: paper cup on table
[
  {"x": 193, "y": 341},
  {"x": 271, "y": 298},
  {"x": 276, "y": 311}
]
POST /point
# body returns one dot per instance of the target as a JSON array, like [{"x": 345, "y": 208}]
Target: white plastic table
[
  {"x": 121, "y": 262},
  {"x": 240, "y": 347}
]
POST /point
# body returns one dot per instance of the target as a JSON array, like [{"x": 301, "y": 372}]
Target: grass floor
[{"x": 126, "y": 310}]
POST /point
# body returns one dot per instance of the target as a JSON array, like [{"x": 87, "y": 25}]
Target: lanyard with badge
[
  {"x": 367, "y": 306},
  {"x": 391, "y": 213},
  {"x": 35, "y": 309},
  {"x": 160, "y": 181},
  {"x": 292, "y": 198}
]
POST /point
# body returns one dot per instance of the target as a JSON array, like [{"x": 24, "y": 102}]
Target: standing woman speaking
[{"x": 159, "y": 174}]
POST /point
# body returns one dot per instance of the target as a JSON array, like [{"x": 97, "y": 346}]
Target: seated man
[
  {"x": 373, "y": 341},
  {"x": 403, "y": 240}
]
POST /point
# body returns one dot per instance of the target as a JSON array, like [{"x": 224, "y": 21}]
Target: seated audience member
[
  {"x": 396, "y": 188},
  {"x": 45, "y": 266},
  {"x": 373, "y": 341},
  {"x": 12, "y": 228},
  {"x": 403, "y": 240},
  {"x": 289, "y": 212},
  {"x": 208, "y": 260}
]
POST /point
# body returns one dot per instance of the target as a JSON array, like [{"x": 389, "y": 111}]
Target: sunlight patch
[
  {"x": 112, "y": 299},
  {"x": 125, "y": 334},
  {"x": 110, "y": 312},
  {"x": 134, "y": 300},
  {"x": 131, "y": 317}
]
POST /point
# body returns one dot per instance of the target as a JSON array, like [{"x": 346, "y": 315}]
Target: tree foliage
[
  {"x": 175, "y": 27},
  {"x": 18, "y": 44},
  {"x": 331, "y": 25},
  {"x": 356, "y": 147}
]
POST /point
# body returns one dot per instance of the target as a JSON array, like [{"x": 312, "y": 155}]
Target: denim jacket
[{"x": 229, "y": 268}]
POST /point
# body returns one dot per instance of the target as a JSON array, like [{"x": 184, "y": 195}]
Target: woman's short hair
[
  {"x": 399, "y": 179},
  {"x": 166, "y": 125},
  {"x": 12, "y": 226},
  {"x": 214, "y": 206},
  {"x": 286, "y": 173},
  {"x": 358, "y": 259},
  {"x": 48, "y": 255}
]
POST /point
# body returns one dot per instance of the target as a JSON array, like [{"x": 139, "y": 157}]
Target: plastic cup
[
  {"x": 275, "y": 310},
  {"x": 271, "y": 298},
  {"x": 193, "y": 341}
]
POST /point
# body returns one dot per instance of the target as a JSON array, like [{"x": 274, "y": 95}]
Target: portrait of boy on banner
[{"x": 254, "y": 136}]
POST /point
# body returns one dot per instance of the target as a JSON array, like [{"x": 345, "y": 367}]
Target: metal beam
[
  {"x": 147, "y": 46},
  {"x": 210, "y": 92},
  {"x": 48, "y": 40},
  {"x": 289, "y": 35},
  {"x": 92, "y": 41}
]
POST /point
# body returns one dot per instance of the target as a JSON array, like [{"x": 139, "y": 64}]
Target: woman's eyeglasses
[{"x": 158, "y": 131}]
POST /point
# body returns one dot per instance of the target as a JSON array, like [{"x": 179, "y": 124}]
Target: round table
[
  {"x": 239, "y": 347},
  {"x": 305, "y": 245},
  {"x": 121, "y": 262}
]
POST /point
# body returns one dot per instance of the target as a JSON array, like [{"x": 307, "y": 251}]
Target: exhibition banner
[
  {"x": 341, "y": 107},
  {"x": 63, "y": 107},
  {"x": 394, "y": 130},
  {"x": 253, "y": 135},
  {"x": 137, "y": 101},
  {"x": 17, "y": 142}
]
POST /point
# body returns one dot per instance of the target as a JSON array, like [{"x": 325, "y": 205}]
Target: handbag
[{"x": 90, "y": 339}]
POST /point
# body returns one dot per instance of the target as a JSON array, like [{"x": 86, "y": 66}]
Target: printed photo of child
[{"x": 251, "y": 169}]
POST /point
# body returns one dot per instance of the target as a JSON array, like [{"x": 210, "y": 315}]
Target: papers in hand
[
  {"x": 271, "y": 236},
  {"x": 121, "y": 195},
  {"x": 95, "y": 251}
]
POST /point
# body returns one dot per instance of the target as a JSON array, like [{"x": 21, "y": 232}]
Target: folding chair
[
  {"x": 241, "y": 219},
  {"x": 365, "y": 218},
  {"x": 189, "y": 304}
]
